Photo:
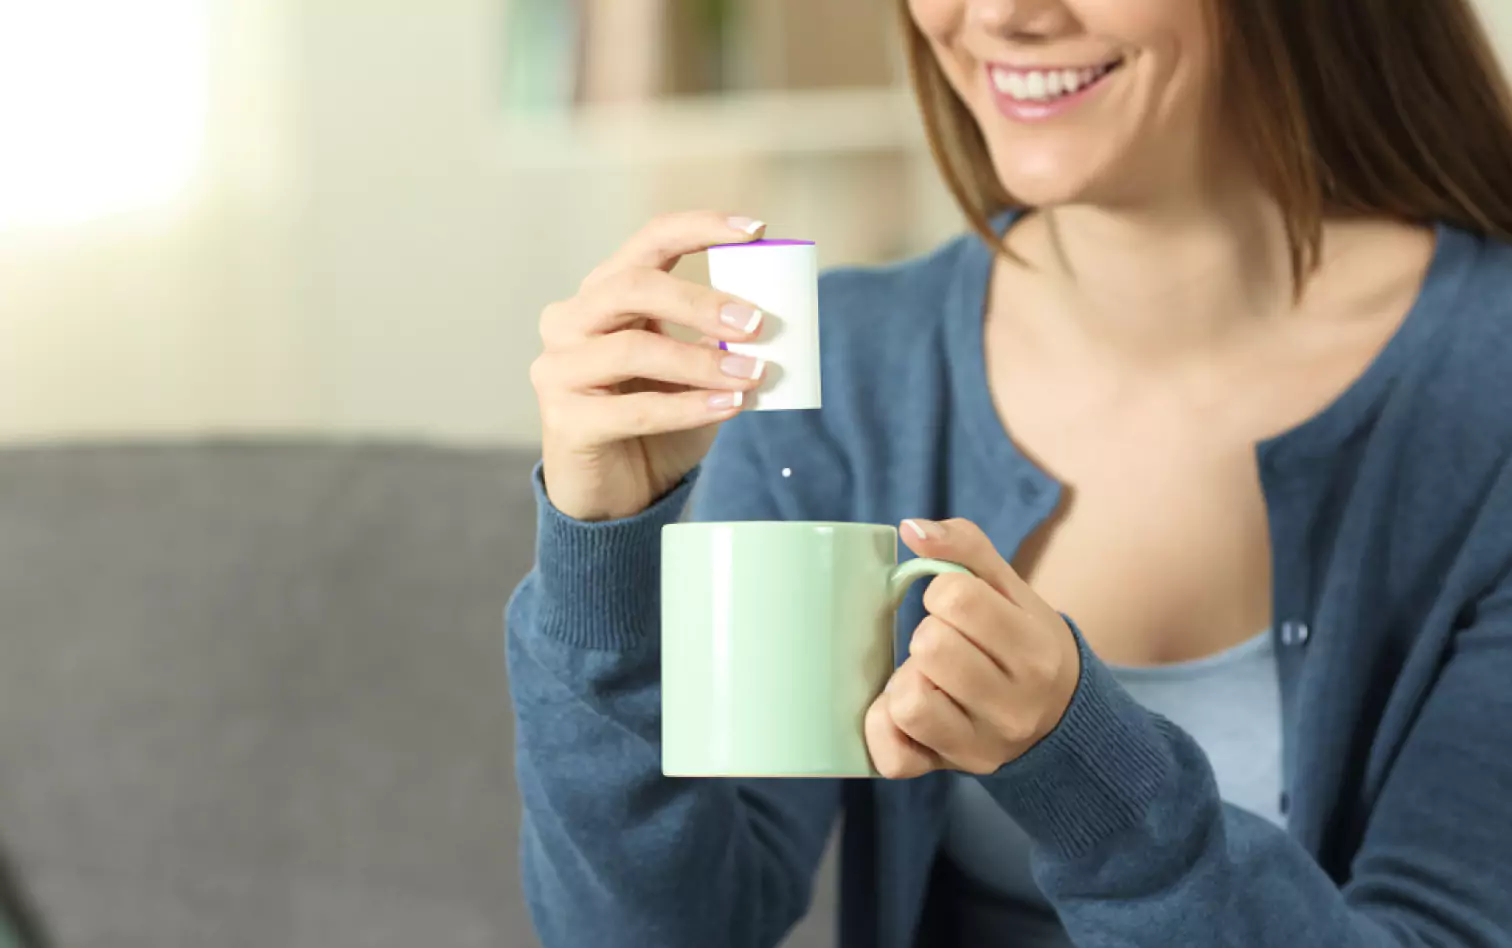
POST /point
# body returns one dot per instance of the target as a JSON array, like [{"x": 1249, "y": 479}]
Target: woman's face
[{"x": 1080, "y": 100}]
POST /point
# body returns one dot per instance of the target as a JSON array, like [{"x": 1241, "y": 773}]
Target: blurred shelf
[{"x": 820, "y": 122}]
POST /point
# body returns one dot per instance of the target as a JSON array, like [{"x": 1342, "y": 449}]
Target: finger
[
  {"x": 601, "y": 419},
  {"x": 961, "y": 541},
  {"x": 638, "y": 354},
  {"x": 895, "y": 755},
  {"x": 956, "y": 665},
  {"x": 927, "y": 714},
  {"x": 668, "y": 238},
  {"x": 982, "y": 614},
  {"x": 629, "y": 296}
]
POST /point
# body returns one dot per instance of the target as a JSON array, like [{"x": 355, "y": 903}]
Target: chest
[{"x": 1162, "y": 555}]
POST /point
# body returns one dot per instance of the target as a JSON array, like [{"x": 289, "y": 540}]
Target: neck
[{"x": 1170, "y": 280}]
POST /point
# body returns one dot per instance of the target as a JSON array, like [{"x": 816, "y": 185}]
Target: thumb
[{"x": 963, "y": 542}]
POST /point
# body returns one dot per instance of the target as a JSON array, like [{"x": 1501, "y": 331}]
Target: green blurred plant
[{"x": 714, "y": 19}]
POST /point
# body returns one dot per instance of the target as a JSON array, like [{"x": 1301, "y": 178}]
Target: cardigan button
[
  {"x": 1295, "y": 633},
  {"x": 1284, "y": 803},
  {"x": 1028, "y": 491}
]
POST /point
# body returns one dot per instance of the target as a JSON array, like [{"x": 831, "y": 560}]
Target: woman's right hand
[{"x": 626, "y": 410}]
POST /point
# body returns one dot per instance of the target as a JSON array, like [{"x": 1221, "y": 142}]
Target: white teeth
[{"x": 1045, "y": 85}]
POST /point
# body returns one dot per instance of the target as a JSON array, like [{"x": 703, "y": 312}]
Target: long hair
[{"x": 1360, "y": 107}]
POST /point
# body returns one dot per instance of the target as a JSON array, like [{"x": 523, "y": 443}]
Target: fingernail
[
  {"x": 742, "y": 367},
  {"x": 740, "y": 316},
  {"x": 924, "y": 529},
  {"x": 723, "y": 401},
  {"x": 749, "y": 225}
]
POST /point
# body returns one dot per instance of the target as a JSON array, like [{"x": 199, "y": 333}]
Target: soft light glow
[{"x": 102, "y": 106}]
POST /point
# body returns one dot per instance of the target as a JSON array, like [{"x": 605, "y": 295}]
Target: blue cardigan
[{"x": 1391, "y": 522}]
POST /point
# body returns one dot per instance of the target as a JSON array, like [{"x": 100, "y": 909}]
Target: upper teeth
[{"x": 1039, "y": 85}]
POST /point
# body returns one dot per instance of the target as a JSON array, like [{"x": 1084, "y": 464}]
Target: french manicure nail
[
  {"x": 722, "y": 401},
  {"x": 741, "y": 366},
  {"x": 748, "y": 225},
  {"x": 740, "y": 316},
  {"x": 924, "y": 529}
]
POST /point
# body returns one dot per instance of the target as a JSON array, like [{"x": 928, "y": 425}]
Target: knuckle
[
  {"x": 540, "y": 375},
  {"x": 928, "y": 640},
  {"x": 630, "y": 283},
  {"x": 910, "y": 707},
  {"x": 962, "y": 529},
  {"x": 622, "y": 348},
  {"x": 949, "y": 596},
  {"x": 555, "y": 419},
  {"x": 552, "y": 316},
  {"x": 690, "y": 297},
  {"x": 1017, "y": 728},
  {"x": 1040, "y": 664},
  {"x": 889, "y": 764}
]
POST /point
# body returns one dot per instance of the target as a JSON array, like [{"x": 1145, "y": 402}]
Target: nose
[{"x": 1024, "y": 18}]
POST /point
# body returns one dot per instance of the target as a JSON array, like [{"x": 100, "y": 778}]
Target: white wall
[{"x": 359, "y": 255}]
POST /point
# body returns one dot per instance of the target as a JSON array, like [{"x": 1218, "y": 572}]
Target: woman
[{"x": 1228, "y": 388}]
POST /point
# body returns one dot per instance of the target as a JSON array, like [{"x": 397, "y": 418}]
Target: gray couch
[{"x": 254, "y": 694}]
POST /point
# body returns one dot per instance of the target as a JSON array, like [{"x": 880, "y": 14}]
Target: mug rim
[{"x": 781, "y": 525}]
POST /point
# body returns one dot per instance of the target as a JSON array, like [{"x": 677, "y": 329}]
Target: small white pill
[{"x": 787, "y": 472}]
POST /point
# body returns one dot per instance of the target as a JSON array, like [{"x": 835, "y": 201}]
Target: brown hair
[{"x": 1365, "y": 107}]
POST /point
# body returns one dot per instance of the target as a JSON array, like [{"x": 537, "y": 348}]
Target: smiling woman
[
  {"x": 1211, "y": 406},
  {"x": 1333, "y": 115}
]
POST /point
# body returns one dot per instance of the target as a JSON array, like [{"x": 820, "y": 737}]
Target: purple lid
[{"x": 767, "y": 243}]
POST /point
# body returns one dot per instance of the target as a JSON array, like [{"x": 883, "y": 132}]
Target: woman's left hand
[{"x": 990, "y": 670}]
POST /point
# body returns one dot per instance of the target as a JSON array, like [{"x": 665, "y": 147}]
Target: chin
[{"x": 1045, "y": 183}]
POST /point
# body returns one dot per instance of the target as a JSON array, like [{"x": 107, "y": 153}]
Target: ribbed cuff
[
  {"x": 600, "y": 583},
  {"x": 1094, "y": 775}
]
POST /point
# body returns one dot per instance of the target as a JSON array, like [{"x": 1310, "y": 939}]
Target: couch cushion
[{"x": 253, "y": 694}]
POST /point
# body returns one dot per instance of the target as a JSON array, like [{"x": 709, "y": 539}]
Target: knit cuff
[
  {"x": 600, "y": 583},
  {"x": 1095, "y": 774}
]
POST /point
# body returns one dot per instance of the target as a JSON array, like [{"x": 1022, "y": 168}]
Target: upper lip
[{"x": 1027, "y": 68}]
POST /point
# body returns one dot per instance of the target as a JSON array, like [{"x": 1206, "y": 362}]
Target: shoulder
[
  {"x": 1467, "y": 377},
  {"x": 1481, "y": 318},
  {"x": 1442, "y": 437},
  {"x": 877, "y": 322},
  {"x": 891, "y": 285},
  {"x": 886, "y": 305}
]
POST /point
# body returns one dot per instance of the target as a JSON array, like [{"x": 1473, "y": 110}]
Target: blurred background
[
  {"x": 269, "y": 278},
  {"x": 343, "y": 216}
]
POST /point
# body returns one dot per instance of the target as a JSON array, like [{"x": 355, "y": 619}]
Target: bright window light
[{"x": 102, "y": 106}]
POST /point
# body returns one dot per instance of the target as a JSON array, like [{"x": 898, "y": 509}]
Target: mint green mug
[{"x": 775, "y": 639}]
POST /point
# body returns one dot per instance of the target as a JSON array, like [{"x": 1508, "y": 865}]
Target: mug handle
[{"x": 905, "y": 574}]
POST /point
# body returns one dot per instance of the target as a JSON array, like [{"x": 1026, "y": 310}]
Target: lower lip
[{"x": 1023, "y": 111}]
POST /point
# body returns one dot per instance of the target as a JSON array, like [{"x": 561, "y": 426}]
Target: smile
[{"x": 1040, "y": 93}]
